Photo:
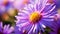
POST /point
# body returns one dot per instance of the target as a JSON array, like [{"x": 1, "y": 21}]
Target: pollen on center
[{"x": 35, "y": 17}]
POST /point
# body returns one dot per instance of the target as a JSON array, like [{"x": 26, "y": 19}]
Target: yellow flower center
[{"x": 35, "y": 17}]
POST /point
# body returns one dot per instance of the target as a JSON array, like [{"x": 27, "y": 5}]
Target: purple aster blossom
[
  {"x": 1, "y": 28},
  {"x": 6, "y": 29},
  {"x": 29, "y": 22}
]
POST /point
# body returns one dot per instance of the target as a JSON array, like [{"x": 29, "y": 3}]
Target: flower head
[
  {"x": 34, "y": 17},
  {"x": 6, "y": 29}
]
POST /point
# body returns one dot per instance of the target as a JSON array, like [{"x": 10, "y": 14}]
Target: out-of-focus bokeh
[
  {"x": 10, "y": 8},
  {"x": 7, "y": 12},
  {"x": 59, "y": 11}
]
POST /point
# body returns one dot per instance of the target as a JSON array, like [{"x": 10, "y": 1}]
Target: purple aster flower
[
  {"x": 0, "y": 28},
  {"x": 6, "y": 29},
  {"x": 34, "y": 17}
]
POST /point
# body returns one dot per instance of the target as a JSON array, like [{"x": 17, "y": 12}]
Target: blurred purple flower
[
  {"x": 1, "y": 28},
  {"x": 5, "y": 7},
  {"x": 16, "y": 30},
  {"x": 2, "y": 9},
  {"x": 57, "y": 20},
  {"x": 6, "y": 29},
  {"x": 29, "y": 22}
]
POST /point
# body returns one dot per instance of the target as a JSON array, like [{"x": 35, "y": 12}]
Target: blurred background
[
  {"x": 8, "y": 12},
  {"x": 9, "y": 9}
]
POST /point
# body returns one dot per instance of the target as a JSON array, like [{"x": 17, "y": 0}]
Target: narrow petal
[
  {"x": 35, "y": 27},
  {"x": 31, "y": 29},
  {"x": 50, "y": 11},
  {"x": 23, "y": 24},
  {"x": 43, "y": 26},
  {"x": 6, "y": 27},
  {"x": 1, "y": 24},
  {"x": 19, "y": 17},
  {"x": 10, "y": 29},
  {"x": 47, "y": 8}
]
